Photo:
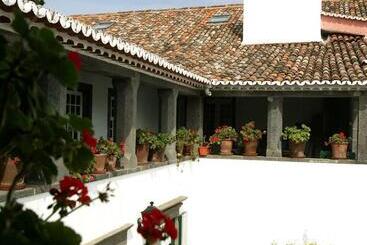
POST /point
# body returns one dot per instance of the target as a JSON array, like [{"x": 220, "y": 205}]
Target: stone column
[
  {"x": 126, "y": 114},
  {"x": 275, "y": 127},
  {"x": 56, "y": 96},
  {"x": 362, "y": 129},
  {"x": 195, "y": 113},
  {"x": 168, "y": 103},
  {"x": 354, "y": 123}
]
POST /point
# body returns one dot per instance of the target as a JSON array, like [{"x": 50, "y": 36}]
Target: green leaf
[
  {"x": 66, "y": 73},
  {"x": 60, "y": 234},
  {"x": 79, "y": 123},
  {"x": 19, "y": 24},
  {"x": 78, "y": 159},
  {"x": 18, "y": 120}
]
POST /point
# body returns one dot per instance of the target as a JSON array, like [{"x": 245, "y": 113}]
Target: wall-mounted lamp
[{"x": 208, "y": 92}]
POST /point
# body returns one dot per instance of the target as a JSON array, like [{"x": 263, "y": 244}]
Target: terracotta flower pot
[
  {"x": 111, "y": 163},
  {"x": 203, "y": 150},
  {"x": 297, "y": 150},
  {"x": 250, "y": 148},
  {"x": 187, "y": 150},
  {"x": 157, "y": 156},
  {"x": 100, "y": 163},
  {"x": 226, "y": 147},
  {"x": 8, "y": 171},
  {"x": 339, "y": 151},
  {"x": 142, "y": 153}
]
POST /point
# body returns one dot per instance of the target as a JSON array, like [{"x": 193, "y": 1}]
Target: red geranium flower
[
  {"x": 89, "y": 140},
  {"x": 154, "y": 226},
  {"x": 342, "y": 135},
  {"x": 74, "y": 57},
  {"x": 69, "y": 188}
]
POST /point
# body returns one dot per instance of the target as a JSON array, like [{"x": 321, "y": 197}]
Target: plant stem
[
  {"x": 51, "y": 214},
  {"x": 73, "y": 210}
]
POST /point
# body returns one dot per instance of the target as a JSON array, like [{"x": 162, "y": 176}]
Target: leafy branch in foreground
[{"x": 34, "y": 132}]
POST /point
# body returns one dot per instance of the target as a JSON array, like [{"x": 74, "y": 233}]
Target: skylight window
[
  {"x": 101, "y": 26},
  {"x": 219, "y": 18}
]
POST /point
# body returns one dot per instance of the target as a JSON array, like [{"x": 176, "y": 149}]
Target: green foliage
[
  {"x": 325, "y": 154},
  {"x": 114, "y": 150},
  {"x": 108, "y": 147},
  {"x": 143, "y": 136},
  {"x": 339, "y": 138},
  {"x": 159, "y": 141},
  {"x": 32, "y": 130},
  {"x": 186, "y": 136},
  {"x": 193, "y": 137},
  {"x": 24, "y": 227},
  {"x": 182, "y": 136},
  {"x": 102, "y": 146},
  {"x": 250, "y": 133},
  {"x": 226, "y": 133},
  {"x": 297, "y": 135}
]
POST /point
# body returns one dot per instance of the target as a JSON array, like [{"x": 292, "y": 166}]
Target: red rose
[{"x": 74, "y": 57}]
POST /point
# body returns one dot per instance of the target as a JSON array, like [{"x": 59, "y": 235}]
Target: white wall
[
  {"x": 148, "y": 107},
  {"x": 237, "y": 202},
  {"x": 101, "y": 84}
]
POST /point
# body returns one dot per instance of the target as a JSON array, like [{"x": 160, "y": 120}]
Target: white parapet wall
[{"x": 237, "y": 202}]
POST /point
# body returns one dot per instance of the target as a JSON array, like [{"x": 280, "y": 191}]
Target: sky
[{"x": 99, "y": 6}]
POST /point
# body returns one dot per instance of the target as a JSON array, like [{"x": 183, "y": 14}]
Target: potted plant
[
  {"x": 181, "y": 139},
  {"x": 339, "y": 145},
  {"x": 100, "y": 156},
  {"x": 98, "y": 149},
  {"x": 193, "y": 139},
  {"x": 155, "y": 226},
  {"x": 143, "y": 138},
  {"x": 9, "y": 169},
  {"x": 113, "y": 153},
  {"x": 158, "y": 144},
  {"x": 214, "y": 144},
  {"x": 204, "y": 148},
  {"x": 250, "y": 137},
  {"x": 32, "y": 130},
  {"x": 227, "y": 135},
  {"x": 297, "y": 137}
]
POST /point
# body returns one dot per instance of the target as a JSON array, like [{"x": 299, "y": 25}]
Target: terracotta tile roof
[
  {"x": 184, "y": 37},
  {"x": 99, "y": 43},
  {"x": 349, "y": 9}
]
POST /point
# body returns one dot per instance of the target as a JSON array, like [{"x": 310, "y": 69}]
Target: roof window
[
  {"x": 101, "y": 26},
  {"x": 219, "y": 18}
]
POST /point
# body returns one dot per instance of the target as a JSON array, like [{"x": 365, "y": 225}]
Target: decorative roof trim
[
  {"x": 289, "y": 83},
  {"x": 99, "y": 38},
  {"x": 343, "y": 16}
]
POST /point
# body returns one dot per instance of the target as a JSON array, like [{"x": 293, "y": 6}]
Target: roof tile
[{"x": 184, "y": 37}]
